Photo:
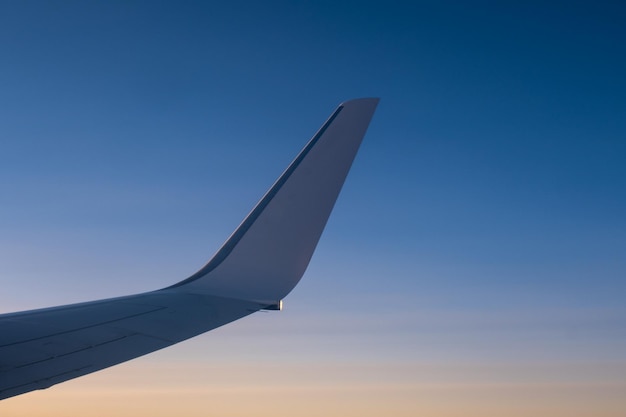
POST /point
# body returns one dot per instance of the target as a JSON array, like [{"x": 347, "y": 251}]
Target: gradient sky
[{"x": 475, "y": 263}]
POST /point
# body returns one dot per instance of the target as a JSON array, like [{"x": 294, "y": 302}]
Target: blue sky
[{"x": 480, "y": 238}]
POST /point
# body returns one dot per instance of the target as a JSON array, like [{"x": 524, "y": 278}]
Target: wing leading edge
[{"x": 259, "y": 264}]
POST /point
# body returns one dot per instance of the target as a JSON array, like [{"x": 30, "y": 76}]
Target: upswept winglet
[{"x": 267, "y": 255}]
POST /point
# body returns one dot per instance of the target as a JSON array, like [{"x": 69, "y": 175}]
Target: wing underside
[{"x": 44, "y": 347}]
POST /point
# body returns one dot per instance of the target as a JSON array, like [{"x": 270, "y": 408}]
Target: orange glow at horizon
[{"x": 184, "y": 388}]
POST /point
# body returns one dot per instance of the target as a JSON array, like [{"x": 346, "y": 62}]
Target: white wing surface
[{"x": 257, "y": 266}]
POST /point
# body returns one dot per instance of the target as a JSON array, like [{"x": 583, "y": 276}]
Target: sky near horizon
[{"x": 474, "y": 264}]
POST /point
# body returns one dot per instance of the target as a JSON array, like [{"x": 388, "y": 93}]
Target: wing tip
[{"x": 362, "y": 100}]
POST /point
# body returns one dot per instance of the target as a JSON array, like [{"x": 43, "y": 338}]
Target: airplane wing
[{"x": 258, "y": 265}]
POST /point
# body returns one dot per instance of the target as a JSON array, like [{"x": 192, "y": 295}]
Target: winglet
[{"x": 268, "y": 253}]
